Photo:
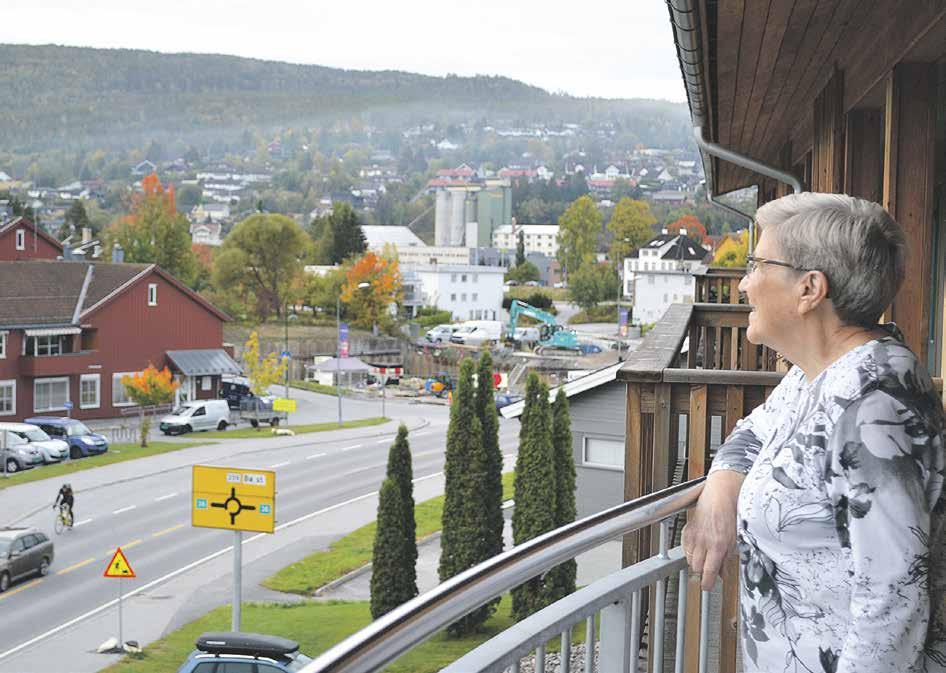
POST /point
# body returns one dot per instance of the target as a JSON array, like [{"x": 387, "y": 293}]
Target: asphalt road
[{"x": 148, "y": 513}]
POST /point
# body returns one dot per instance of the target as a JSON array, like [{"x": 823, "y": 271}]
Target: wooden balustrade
[{"x": 719, "y": 285}]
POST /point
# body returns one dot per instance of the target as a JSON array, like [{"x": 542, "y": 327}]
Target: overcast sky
[{"x": 620, "y": 50}]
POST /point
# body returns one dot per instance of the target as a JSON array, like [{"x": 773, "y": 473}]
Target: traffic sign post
[
  {"x": 234, "y": 499},
  {"x": 282, "y": 404},
  {"x": 119, "y": 568}
]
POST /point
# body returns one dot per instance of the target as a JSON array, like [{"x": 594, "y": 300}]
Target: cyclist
[{"x": 67, "y": 499}]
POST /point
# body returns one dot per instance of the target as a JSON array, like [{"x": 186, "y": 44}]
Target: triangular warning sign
[{"x": 119, "y": 566}]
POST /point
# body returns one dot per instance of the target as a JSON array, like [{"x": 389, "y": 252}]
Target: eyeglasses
[{"x": 752, "y": 263}]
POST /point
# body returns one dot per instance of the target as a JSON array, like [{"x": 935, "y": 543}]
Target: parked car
[
  {"x": 19, "y": 454},
  {"x": 23, "y": 552},
  {"x": 234, "y": 390},
  {"x": 505, "y": 399},
  {"x": 52, "y": 450},
  {"x": 526, "y": 336},
  {"x": 195, "y": 416},
  {"x": 233, "y": 651},
  {"x": 560, "y": 284},
  {"x": 440, "y": 333},
  {"x": 81, "y": 440},
  {"x": 478, "y": 332},
  {"x": 589, "y": 349},
  {"x": 532, "y": 283}
]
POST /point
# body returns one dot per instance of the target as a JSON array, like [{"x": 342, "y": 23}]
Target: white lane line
[
  {"x": 180, "y": 571},
  {"x": 314, "y": 455},
  {"x": 82, "y": 523},
  {"x": 282, "y": 464},
  {"x": 385, "y": 440},
  {"x": 421, "y": 434},
  {"x": 349, "y": 448},
  {"x": 165, "y": 497},
  {"x": 125, "y": 509}
]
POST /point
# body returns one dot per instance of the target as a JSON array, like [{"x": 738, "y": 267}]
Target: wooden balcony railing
[
  {"x": 688, "y": 384},
  {"x": 719, "y": 285}
]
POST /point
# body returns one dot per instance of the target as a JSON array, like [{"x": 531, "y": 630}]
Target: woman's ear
[{"x": 813, "y": 290}]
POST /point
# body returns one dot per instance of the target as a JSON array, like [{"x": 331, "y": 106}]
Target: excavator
[{"x": 551, "y": 334}]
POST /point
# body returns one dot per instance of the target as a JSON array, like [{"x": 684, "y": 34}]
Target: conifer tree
[
  {"x": 458, "y": 541},
  {"x": 560, "y": 581},
  {"x": 401, "y": 471},
  {"x": 391, "y": 583},
  {"x": 535, "y": 509}
]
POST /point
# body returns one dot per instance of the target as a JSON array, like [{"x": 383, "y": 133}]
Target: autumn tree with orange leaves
[
  {"x": 368, "y": 306},
  {"x": 153, "y": 232},
  {"x": 150, "y": 388},
  {"x": 693, "y": 226}
]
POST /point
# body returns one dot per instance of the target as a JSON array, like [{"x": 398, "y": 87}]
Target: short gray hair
[{"x": 854, "y": 242}]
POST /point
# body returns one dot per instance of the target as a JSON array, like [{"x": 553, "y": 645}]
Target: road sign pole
[
  {"x": 237, "y": 579},
  {"x": 121, "y": 635}
]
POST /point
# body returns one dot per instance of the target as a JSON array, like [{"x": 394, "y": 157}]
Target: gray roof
[
  {"x": 204, "y": 362},
  {"x": 345, "y": 365}
]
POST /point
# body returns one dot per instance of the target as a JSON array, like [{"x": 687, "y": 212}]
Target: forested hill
[{"x": 70, "y": 97}]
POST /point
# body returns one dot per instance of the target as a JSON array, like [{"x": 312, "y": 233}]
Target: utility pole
[
  {"x": 286, "y": 349},
  {"x": 338, "y": 356}
]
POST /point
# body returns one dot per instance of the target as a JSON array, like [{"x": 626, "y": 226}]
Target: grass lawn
[
  {"x": 264, "y": 431},
  {"x": 524, "y": 291},
  {"x": 354, "y": 550},
  {"x": 314, "y": 387},
  {"x": 316, "y": 627},
  {"x": 117, "y": 453}
]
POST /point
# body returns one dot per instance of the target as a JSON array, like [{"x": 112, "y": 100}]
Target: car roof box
[{"x": 254, "y": 644}]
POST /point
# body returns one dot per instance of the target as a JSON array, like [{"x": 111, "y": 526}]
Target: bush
[
  {"x": 537, "y": 299},
  {"x": 430, "y": 316},
  {"x": 523, "y": 273}
]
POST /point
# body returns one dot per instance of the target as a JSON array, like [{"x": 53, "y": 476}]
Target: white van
[
  {"x": 477, "y": 332},
  {"x": 440, "y": 333},
  {"x": 197, "y": 415}
]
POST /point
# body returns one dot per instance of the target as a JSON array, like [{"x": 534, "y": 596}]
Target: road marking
[
  {"x": 133, "y": 543},
  {"x": 76, "y": 566},
  {"x": 175, "y": 573},
  {"x": 385, "y": 440},
  {"x": 282, "y": 464},
  {"x": 349, "y": 448},
  {"x": 314, "y": 455},
  {"x": 165, "y": 497},
  {"x": 509, "y": 504},
  {"x": 168, "y": 530},
  {"x": 83, "y": 522},
  {"x": 125, "y": 509},
  {"x": 421, "y": 434},
  {"x": 19, "y": 589}
]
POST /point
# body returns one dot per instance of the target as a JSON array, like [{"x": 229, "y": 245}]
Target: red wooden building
[
  {"x": 20, "y": 239},
  {"x": 70, "y": 330}
]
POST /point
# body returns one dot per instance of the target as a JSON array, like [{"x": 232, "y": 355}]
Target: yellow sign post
[
  {"x": 235, "y": 499},
  {"x": 119, "y": 568},
  {"x": 283, "y": 404}
]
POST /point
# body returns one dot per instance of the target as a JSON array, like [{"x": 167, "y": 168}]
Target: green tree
[
  {"x": 631, "y": 226},
  {"x": 261, "y": 261},
  {"x": 76, "y": 220},
  {"x": 535, "y": 488},
  {"x": 560, "y": 581},
  {"x": 521, "y": 249},
  {"x": 459, "y": 546},
  {"x": 393, "y": 568},
  {"x": 523, "y": 273},
  {"x": 390, "y": 586},
  {"x": 579, "y": 229},
  {"x": 339, "y": 234},
  {"x": 593, "y": 284},
  {"x": 263, "y": 371}
]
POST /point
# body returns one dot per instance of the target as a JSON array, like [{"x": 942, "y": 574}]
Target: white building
[
  {"x": 215, "y": 212},
  {"x": 469, "y": 292},
  {"x": 207, "y": 233},
  {"x": 536, "y": 238},
  {"x": 662, "y": 273},
  {"x": 434, "y": 254},
  {"x": 378, "y": 236}
]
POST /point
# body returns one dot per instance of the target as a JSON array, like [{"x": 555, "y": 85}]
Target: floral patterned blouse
[{"x": 840, "y": 525}]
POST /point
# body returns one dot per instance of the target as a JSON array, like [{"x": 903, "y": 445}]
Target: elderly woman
[{"x": 832, "y": 491}]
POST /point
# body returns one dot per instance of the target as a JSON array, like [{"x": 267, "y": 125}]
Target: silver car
[
  {"x": 52, "y": 450},
  {"x": 23, "y": 552},
  {"x": 18, "y": 455}
]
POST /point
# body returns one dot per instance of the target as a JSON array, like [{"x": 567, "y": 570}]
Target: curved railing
[{"x": 387, "y": 638}]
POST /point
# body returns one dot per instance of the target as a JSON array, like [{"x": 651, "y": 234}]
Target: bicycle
[{"x": 63, "y": 520}]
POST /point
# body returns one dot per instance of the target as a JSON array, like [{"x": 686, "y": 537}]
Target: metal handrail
[{"x": 405, "y": 627}]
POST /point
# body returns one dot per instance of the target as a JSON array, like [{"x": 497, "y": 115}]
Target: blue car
[
  {"x": 82, "y": 441},
  {"x": 250, "y": 652}
]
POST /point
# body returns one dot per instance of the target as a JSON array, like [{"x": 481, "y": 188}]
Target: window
[
  {"x": 8, "y": 397},
  {"x": 119, "y": 394},
  {"x": 475, "y": 295},
  {"x": 50, "y": 394},
  {"x": 200, "y": 411},
  {"x": 453, "y": 297},
  {"x": 463, "y": 278},
  {"x": 42, "y": 346},
  {"x": 206, "y": 383},
  {"x": 20, "y": 239},
  {"x": 604, "y": 452},
  {"x": 152, "y": 294},
  {"x": 90, "y": 388},
  {"x": 3, "y": 345}
]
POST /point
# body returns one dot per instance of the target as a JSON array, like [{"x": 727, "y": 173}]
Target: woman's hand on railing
[{"x": 710, "y": 533}]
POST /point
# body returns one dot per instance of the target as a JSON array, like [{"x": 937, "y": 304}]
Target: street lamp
[
  {"x": 620, "y": 293},
  {"x": 338, "y": 350}
]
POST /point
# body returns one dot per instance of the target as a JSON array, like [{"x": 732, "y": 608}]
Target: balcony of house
[
  {"x": 63, "y": 364},
  {"x": 58, "y": 352}
]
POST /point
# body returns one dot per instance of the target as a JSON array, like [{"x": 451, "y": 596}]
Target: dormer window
[{"x": 20, "y": 239}]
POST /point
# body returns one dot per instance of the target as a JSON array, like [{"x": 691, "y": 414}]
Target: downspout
[{"x": 687, "y": 33}]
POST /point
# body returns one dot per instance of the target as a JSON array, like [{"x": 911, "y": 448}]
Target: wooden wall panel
[
  {"x": 909, "y": 174},
  {"x": 828, "y": 151},
  {"x": 864, "y": 155}
]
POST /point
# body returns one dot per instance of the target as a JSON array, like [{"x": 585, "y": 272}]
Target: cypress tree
[
  {"x": 560, "y": 581},
  {"x": 535, "y": 509},
  {"x": 401, "y": 472},
  {"x": 459, "y": 543},
  {"x": 391, "y": 584}
]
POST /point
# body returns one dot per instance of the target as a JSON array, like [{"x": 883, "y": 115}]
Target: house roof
[
  {"x": 681, "y": 247},
  {"x": 46, "y": 292},
  {"x": 376, "y": 236},
  {"x": 591, "y": 380},
  {"x": 20, "y": 221},
  {"x": 203, "y": 362}
]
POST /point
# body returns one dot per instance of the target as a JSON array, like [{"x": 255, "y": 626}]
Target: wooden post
[
  {"x": 696, "y": 467},
  {"x": 909, "y": 179},
  {"x": 632, "y": 467},
  {"x": 828, "y": 159},
  {"x": 729, "y": 633},
  {"x": 863, "y": 156}
]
